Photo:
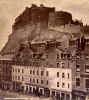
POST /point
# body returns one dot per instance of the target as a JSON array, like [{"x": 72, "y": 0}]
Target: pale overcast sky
[{"x": 9, "y": 9}]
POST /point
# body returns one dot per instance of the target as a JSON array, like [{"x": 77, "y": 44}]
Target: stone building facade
[
  {"x": 37, "y": 79},
  {"x": 50, "y": 55}
]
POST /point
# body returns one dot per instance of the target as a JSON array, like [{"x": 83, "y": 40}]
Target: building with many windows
[
  {"x": 50, "y": 55},
  {"x": 46, "y": 81}
]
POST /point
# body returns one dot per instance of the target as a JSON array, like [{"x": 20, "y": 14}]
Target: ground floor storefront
[
  {"x": 5, "y": 85},
  {"x": 37, "y": 90},
  {"x": 41, "y": 91},
  {"x": 80, "y": 95}
]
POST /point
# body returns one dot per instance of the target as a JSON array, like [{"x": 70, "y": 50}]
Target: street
[{"x": 5, "y": 95}]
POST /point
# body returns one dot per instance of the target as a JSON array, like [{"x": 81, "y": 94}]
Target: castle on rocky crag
[{"x": 47, "y": 54}]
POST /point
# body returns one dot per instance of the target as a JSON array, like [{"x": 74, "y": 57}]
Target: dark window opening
[
  {"x": 87, "y": 83},
  {"x": 33, "y": 72},
  {"x": 57, "y": 84},
  {"x": 68, "y": 85},
  {"x": 37, "y": 81},
  {"x": 18, "y": 77},
  {"x": 37, "y": 72},
  {"x": 87, "y": 68},
  {"x": 47, "y": 82},
  {"x": 57, "y": 56},
  {"x": 30, "y": 80},
  {"x": 42, "y": 82},
  {"x": 63, "y": 65},
  {"x": 47, "y": 73},
  {"x": 57, "y": 74},
  {"x": 77, "y": 81},
  {"x": 68, "y": 75},
  {"x": 61, "y": 55},
  {"x": 42, "y": 73},
  {"x": 68, "y": 55},
  {"x": 33, "y": 80},
  {"x": 57, "y": 64},
  {"x": 78, "y": 68},
  {"x": 30, "y": 71},
  {"x": 63, "y": 85},
  {"x": 63, "y": 75}
]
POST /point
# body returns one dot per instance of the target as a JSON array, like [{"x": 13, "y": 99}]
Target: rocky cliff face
[{"x": 32, "y": 23}]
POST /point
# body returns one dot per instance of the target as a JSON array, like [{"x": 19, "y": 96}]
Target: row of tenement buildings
[{"x": 46, "y": 55}]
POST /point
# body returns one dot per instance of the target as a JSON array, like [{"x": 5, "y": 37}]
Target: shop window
[{"x": 53, "y": 93}]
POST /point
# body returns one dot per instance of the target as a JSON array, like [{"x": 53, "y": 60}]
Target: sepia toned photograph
[{"x": 44, "y": 49}]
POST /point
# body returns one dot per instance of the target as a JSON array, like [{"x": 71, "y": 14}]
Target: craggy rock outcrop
[{"x": 33, "y": 23}]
